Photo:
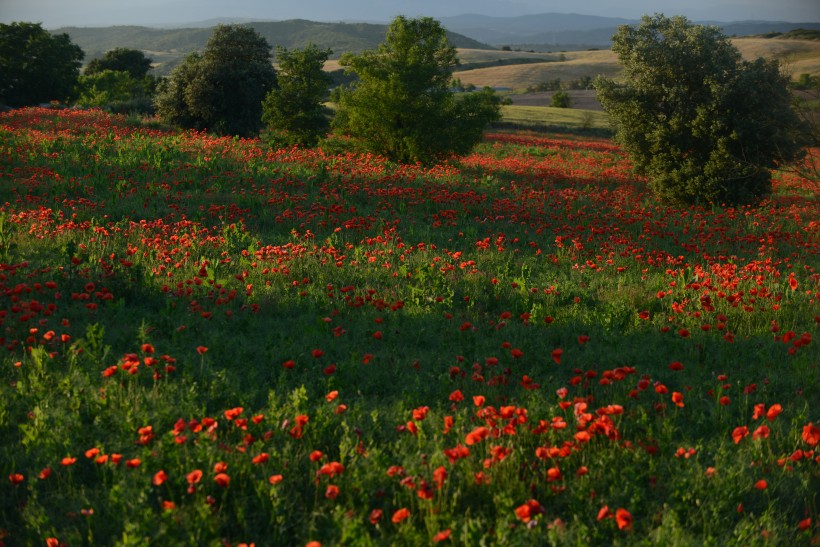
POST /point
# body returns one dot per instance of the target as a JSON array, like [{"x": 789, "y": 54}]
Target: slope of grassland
[
  {"x": 576, "y": 64},
  {"x": 797, "y": 56},
  {"x": 548, "y": 116}
]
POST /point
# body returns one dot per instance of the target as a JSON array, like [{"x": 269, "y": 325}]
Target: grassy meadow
[
  {"x": 208, "y": 342},
  {"x": 541, "y": 116}
]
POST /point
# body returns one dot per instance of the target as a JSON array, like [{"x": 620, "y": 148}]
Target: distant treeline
[{"x": 796, "y": 34}]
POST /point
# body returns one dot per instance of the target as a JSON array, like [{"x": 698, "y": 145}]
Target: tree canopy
[
  {"x": 221, "y": 89},
  {"x": 402, "y": 105},
  {"x": 36, "y": 66},
  {"x": 702, "y": 124},
  {"x": 295, "y": 106},
  {"x": 121, "y": 59}
]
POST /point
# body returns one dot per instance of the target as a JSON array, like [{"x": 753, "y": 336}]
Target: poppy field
[{"x": 205, "y": 341}]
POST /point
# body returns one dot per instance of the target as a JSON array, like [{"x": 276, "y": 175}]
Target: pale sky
[{"x": 57, "y": 13}]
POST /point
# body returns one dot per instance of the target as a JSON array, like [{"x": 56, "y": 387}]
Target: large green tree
[
  {"x": 295, "y": 106},
  {"x": 702, "y": 124},
  {"x": 402, "y": 105},
  {"x": 221, "y": 89},
  {"x": 36, "y": 66},
  {"x": 121, "y": 59}
]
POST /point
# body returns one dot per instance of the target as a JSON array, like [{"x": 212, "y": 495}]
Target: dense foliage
[
  {"x": 132, "y": 61},
  {"x": 701, "y": 123},
  {"x": 36, "y": 66},
  {"x": 402, "y": 105},
  {"x": 295, "y": 107},
  {"x": 107, "y": 87},
  {"x": 222, "y": 88},
  {"x": 207, "y": 342}
]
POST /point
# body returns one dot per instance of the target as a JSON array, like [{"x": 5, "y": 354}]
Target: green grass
[{"x": 554, "y": 117}]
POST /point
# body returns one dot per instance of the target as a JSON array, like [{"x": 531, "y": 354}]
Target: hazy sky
[{"x": 56, "y": 13}]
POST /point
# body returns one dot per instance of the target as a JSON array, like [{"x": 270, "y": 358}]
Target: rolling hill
[
  {"x": 167, "y": 47},
  {"x": 798, "y": 57},
  {"x": 481, "y": 64},
  {"x": 573, "y": 31}
]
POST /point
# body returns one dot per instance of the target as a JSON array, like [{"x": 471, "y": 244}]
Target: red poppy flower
[
  {"x": 400, "y": 515},
  {"x": 441, "y": 536},
  {"x": 529, "y": 510},
  {"x": 773, "y": 412},
  {"x": 677, "y": 398},
  {"x": 159, "y": 477},
  {"x": 439, "y": 476},
  {"x": 275, "y": 479},
  {"x": 222, "y": 479},
  {"x": 811, "y": 434},
  {"x": 623, "y": 518},
  {"x": 332, "y": 492},
  {"x": 556, "y": 355},
  {"x": 477, "y": 435},
  {"x": 194, "y": 476},
  {"x": 761, "y": 432},
  {"x": 201, "y": 350},
  {"x": 375, "y": 516},
  {"x": 739, "y": 433},
  {"x": 16, "y": 478}
]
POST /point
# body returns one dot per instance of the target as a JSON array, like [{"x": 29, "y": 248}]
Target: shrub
[
  {"x": 701, "y": 123},
  {"x": 560, "y": 99}
]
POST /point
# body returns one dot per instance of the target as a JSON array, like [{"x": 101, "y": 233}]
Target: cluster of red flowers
[{"x": 362, "y": 240}]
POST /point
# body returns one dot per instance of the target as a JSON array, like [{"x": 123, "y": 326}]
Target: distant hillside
[
  {"x": 167, "y": 47},
  {"x": 554, "y": 31},
  {"x": 520, "y": 70}
]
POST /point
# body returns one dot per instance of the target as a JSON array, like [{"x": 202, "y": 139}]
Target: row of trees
[
  {"x": 702, "y": 124},
  {"x": 401, "y": 105}
]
